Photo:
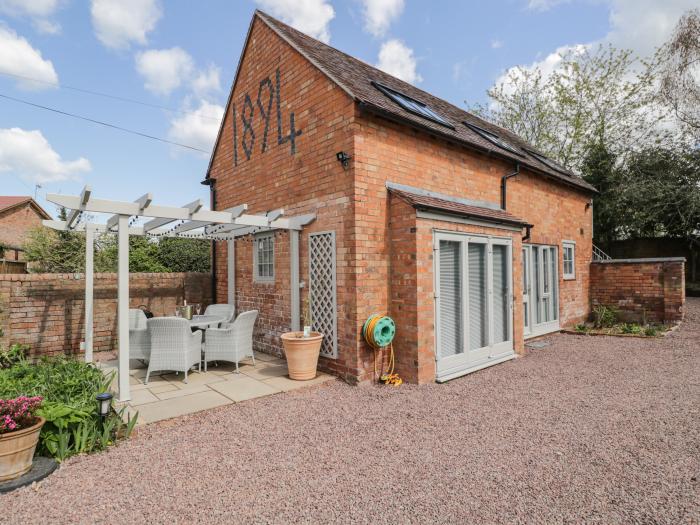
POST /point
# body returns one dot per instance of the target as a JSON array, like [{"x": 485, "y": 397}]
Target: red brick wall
[
  {"x": 355, "y": 204},
  {"x": 309, "y": 180},
  {"x": 651, "y": 289},
  {"x": 387, "y": 152},
  {"x": 15, "y": 223},
  {"x": 46, "y": 311}
]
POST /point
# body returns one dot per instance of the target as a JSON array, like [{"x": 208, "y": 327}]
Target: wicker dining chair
[
  {"x": 232, "y": 342},
  {"x": 173, "y": 346},
  {"x": 221, "y": 310},
  {"x": 139, "y": 340}
]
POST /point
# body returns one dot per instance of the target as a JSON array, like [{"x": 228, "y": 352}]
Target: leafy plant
[
  {"x": 69, "y": 389},
  {"x": 630, "y": 328},
  {"x": 604, "y": 316},
  {"x": 12, "y": 355},
  {"x": 651, "y": 331},
  {"x": 581, "y": 327}
]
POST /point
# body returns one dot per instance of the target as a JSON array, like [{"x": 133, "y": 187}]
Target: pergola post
[
  {"x": 123, "y": 306},
  {"x": 231, "y": 271},
  {"x": 294, "y": 278},
  {"x": 89, "y": 287}
]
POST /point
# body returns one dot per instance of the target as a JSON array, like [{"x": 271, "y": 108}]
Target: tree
[
  {"x": 679, "y": 72},
  {"x": 54, "y": 251},
  {"x": 599, "y": 168},
  {"x": 601, "y": 96},
  {"x": 184, "y": 255}
]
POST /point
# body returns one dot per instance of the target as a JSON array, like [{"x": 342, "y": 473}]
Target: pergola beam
[
  {"x": 144, "y": 201},
  {"x": 82, "y": 201}
]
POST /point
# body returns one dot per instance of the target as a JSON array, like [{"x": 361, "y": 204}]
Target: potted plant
[
  {"x": 302, "y": 349},
  {"x": 19, "y": 435}
]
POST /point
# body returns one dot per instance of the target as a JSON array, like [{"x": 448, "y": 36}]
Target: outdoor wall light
[
  {"x": 104, "y": 403},
  {"x": 343, "y": 158}
]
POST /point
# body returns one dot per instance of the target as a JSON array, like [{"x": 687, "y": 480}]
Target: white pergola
[{"x": 190, "y": 221}]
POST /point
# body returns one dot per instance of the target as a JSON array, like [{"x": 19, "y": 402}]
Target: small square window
[
  {"x": 264, "y": 258},
  {"x": 569, "y": 259}
]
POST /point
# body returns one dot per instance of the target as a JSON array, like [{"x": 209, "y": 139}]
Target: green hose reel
[{"x": 379, "y": 331}]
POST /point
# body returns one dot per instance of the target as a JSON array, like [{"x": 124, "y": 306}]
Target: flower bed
[{"x": 68, "y": 389}]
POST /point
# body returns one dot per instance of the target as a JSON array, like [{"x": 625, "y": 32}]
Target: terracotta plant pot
[
  {"x": 17, "y": 450},
  {"x": 302, "y": 354}
]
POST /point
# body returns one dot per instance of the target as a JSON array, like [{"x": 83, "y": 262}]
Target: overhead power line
[
  {"x": 101, "y": 123},
  {"x": 105, "y": 95}
]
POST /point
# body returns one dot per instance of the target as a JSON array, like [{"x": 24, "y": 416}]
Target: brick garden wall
[
  {"x": 641, "y": 288},
  {"x": 47, "y": 311}
]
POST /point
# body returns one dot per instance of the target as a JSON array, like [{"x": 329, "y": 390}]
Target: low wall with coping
[
  {"x": 47, "y": 311},
  {"x": 642, "y": 289}
]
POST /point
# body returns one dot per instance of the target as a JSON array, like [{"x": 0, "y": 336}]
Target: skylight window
[
  {"x": 412, "y": 105},
  {"x": 493, "y": 138},
  {"x": 547, "y": 161}
]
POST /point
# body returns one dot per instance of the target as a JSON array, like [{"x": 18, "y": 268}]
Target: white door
[
  {"x": 540, "y": 270},
  {"x": 473, "y": 291}
]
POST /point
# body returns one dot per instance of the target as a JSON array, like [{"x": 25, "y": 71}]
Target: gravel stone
[{"x": 587, "y": 430}]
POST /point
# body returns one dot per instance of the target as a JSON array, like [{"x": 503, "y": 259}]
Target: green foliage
[
  {"x": 651, "y": 331},
  {"x": 12, "y": 355},
  {"x": 581, "y": 327},
  {"x": 69, "y": 389},
  {"x": 604, "y": 316},
  {"x": 52, "y": 251},
  {"x": 631, "y": 328},
  {"x": 184, "y": 255}
]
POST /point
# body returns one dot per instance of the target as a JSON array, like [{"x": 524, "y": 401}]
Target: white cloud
[
  {"x": 639, "y": 25},
  {"x": 397, "y": 59},
  {"x": 207, "y": 81},
  {"x": 197, "y": 127},
  {"x": 496, "y": 44},
  {"x": 164, "y": 69},
  {"x": 308, "y": 16},
  {"x": 18, "y": 57},
  {"x": 39, "y": 11},
  {"x": 379, "y": 14},
  {"x": 118, "y": 23},
  {"x": 29, "y": 155}
]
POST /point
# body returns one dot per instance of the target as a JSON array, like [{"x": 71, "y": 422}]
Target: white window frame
[
  {"x": 256, "y": 275},
  {"x": 568, "y": 276}
]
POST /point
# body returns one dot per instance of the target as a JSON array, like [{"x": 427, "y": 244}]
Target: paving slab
[
  {"x": 181, "y": 406},
  {"x": 286, "y": 384},
  {"x": 180, "y": 392},
  {"x": 242, "y": 387},
  {"x": 265, "y": 372}
]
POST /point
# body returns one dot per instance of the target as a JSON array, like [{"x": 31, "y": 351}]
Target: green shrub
[
  {"x": 12, "y": 355},
  {"x": 605, "y": 316},
  {"x": 651, "y": 331},
  {"x": 69, "y": 389},
  {"x": 581, "y": 327},
  {"x": 631, "y": 328}
]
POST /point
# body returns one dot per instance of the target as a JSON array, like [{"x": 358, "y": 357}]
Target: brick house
[
  {"x": 18, "y": 215},
  {"x": 460, "y": 231}
]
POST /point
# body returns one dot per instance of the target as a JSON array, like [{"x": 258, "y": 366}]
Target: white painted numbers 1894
[{"x": 268, "y": 93}]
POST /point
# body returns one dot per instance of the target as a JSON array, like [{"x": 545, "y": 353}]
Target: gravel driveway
[{"x": 589, "y": 429}]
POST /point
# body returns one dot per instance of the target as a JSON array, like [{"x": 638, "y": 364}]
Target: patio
[{"x": 167, "y": 396}]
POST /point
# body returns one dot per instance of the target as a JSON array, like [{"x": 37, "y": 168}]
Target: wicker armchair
[
  {"x": 221, "y": 310},
  {"x": 232, "y": 342},
  {"x": 173, "y": 345},
  {"x": 139, "y": 341}
]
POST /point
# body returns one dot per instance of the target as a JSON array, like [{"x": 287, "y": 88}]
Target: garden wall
[
  {"x": 651, "y": 289},
  {"x": 47, "y": 311}
]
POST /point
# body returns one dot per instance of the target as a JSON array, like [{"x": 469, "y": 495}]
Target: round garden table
[{"x": 205, "y": 321}]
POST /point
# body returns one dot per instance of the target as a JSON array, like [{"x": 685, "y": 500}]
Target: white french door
[
  {"x": 540, "y": 289},
  {"x": 473, "y": 298}
]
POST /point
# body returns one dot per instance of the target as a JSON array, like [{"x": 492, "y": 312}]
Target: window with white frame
[
  {"x": 569, "y": 257},
  {"x": 264, "y": 257}
]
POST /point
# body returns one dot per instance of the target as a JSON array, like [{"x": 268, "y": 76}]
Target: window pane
[
  {"x": 451, "y": 339},
  {"x": 500, "y": 293},
  {"x": 477, "y": 296}
]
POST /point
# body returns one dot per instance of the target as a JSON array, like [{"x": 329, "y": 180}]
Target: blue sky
[{"x": 182, "y": 55}]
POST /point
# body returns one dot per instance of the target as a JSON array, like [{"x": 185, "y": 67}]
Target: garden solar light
[{"x": 104, "y": 401}]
